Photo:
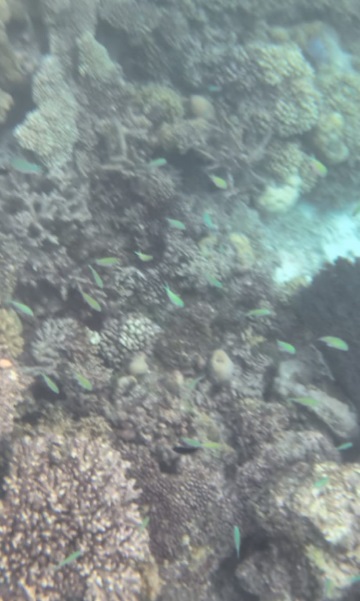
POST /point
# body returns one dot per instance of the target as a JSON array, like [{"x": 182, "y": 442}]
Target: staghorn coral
[
  {"x": 50, "y": 130},
  {"x": 63, "y": 495},
  {"x": 11, "y": 339}
]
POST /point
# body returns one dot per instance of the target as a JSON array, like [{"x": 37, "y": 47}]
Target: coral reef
[
  {"x": 154, "y": 147},
  {"x": 53, "y": 492}
]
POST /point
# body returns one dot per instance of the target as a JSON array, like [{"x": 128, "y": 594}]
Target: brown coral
[{"x": 64, "y": 495}]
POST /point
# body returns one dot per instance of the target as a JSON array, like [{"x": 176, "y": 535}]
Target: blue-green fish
[
  {"x": 176, "y": 224},
  {"x": 143, "y": 257},
  {"x": 24, "y": 166},
  {"x": 258, "y": 312},
  {"x": 92, "y": 302},
  {"x": 286, "y": 347},
  {"x": 321, "y": 482},
  {"x": 50, "y": 383},
  {"x": 208, "y": 222},
  {"x": 237, "y": 540},
  {"x": 213, "y": 281},
  {"x": 97, "y": 279},
  {"x": 69, "y": 559},
  {"x": 160, "y": 162},
  {"x": 22, "y": 308},
  {"x": 83, "y": 381},
  {"x": 334, "y": 342},
  {"x": 174, "y": 298},
  {"x": 144, "y": 524},
  {"x": 306, "y": 401},
  {"x": 107, "y": 261},
  {"x": 345, "y": 446},
  {"x": 219, "y": 182}
]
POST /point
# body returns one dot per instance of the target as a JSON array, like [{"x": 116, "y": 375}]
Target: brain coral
[{"x": 66, "y": 495}]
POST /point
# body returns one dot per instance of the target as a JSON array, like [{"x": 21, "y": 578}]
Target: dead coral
[
  {"x": 11, "y": 339},
  {"x": 66, "y": 495},
  {"x": 12, "y": 384}
]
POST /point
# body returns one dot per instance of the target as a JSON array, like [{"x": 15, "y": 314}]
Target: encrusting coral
[{"x": 65, "y": 496}]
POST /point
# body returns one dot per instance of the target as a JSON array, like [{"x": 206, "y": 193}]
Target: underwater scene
[{"x": 180, "y": 300}]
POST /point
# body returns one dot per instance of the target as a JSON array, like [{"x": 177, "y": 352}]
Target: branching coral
[
  {"x": 50, "y": 131},
  {"x": 63, "y": 496}
]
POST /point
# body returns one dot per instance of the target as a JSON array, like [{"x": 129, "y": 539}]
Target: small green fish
[
  {"x": 69, "y": 559},
  {"x": 329, "y": 587},
  {"x": 305, "y": 401},
  {"x": 83, "y": 382},
  {"x": 197, "y": 444},
  {"x": 24, "y": 166},
  {"x": 107, "y": 261},
  {"x": 192, "y": 383},
  {"x": 160, "y": 162},
  {"x": 192, "y": 442},
  {"x": 213, "y": 88},
  {"x": 237, "y": 540},
  {"x": 285, "y": 347},
  {"x": 92, "y": 302},
  {"x": 258, "y": 313},
  {"x": 143, "y": 257},
  {"x": 213, "y": 281},
  {"x": 355, "y": 579},
  {"x": 144, "y": 524},
  {"x": 22, "y": 308},
  {"x": 319, "y": 168},
  {"x": 345, "y": 446},
  {"x": 321, "y": 482},
  {"x": 50, "y": 383},
  {"x": 97, "y": 279},
  {"x": 208, "y": 222},
  {"x": 219, "y": 182},
  {"x": 334, "y": 342},
  {"x": 174, "y": 298},
  {"x": 176, "y": 224}
]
